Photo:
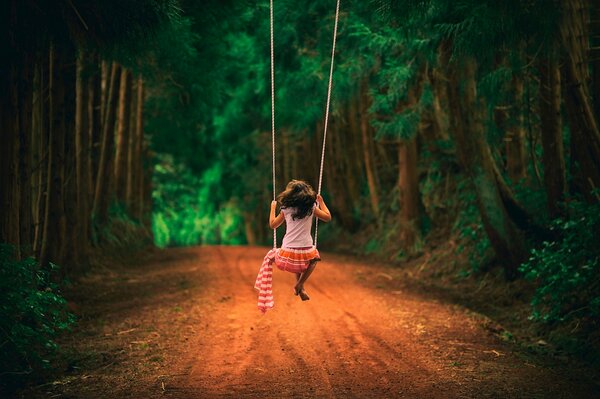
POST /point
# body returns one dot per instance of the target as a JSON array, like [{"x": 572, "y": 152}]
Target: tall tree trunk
[
  {"x": 408, "y": 183},
  {"x": 594, "y": 56},
  {"x": 70, "y": 250},
  {"x": 105, "y": 74},
  {"x": 54, "y": 209},
  {"x": 335, "y": 155},
  {"x": 249, "y": 226},
  {"x": 39, "y": 154},
  {"x": 555, "y": 180},
  {"x": 25, "y": 109},
  {"x": 147, "y": 189},
  {"x": 585, "y": 136},
  {"x": 139, "y": 167},
  {"x": 9, "y": 157},
  {"x": 440, "y": 103},
  {"x": 408, "y": 178},
  {"x": 104, "y": 192},
  {"x": 475, "y": 155},
  {"x": 95, "y": 109},
  {"x": 516, "y": 154},
  {"x": 82, "y": 157},
  {"x": 123, "y": 133},
  {"x": 368, "y": 151},
  {"x": 131, "y": 149},
  {"x": 354, "y": 150}
]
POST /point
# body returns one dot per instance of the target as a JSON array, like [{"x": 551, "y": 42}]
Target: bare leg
[
  {"x": 298, "y": 275},
  {"x": 300, "y": 284}
]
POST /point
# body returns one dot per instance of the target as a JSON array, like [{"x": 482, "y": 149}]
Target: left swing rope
[{"x": 273, "y": 113}]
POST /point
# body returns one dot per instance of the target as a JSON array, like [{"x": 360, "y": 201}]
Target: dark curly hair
[{"x": 300, "y": 195}]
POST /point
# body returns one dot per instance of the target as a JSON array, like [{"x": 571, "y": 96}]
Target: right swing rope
[{"x": 337, "y": 13}]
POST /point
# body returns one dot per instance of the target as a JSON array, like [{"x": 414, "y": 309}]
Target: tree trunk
[
  {"x": 131, "y": 150},
  {"x": 39, "y": 153},
  {"x": 138, "y": 196},
  {"x": 25, "y": 109},
  {"x": 249, "y": 226},
  {"x": 594, "y": 56},
  {"x": 585, "y": 136},
  {"x": 408, "y": 184},
  {"x": 408, "y": 178},
  {"x": 123, "y": 132},
  {"x": 54, "y": 209},
  {"x": 475, "y": 155},
  {"x": 70, "y": 250},
  {"x": 516, "y": 159},
  {"x": 104, "y": 192},
  {"x": 146, "y": 218},
  {"x": 95, "y": 122},
  {"x": 354, "y": 152},
  {"x": 82, "y": 159},
  {"x": 440, "y": 103},
  {"x": 368, "y": 152},
  {"x": 335, "y": 155},
  {"x": 555, "y": 180},
  {"x": 9, "y": 158},
  {"x": 105, "y": 74}
]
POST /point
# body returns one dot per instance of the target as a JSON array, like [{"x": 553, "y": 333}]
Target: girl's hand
[
  {"x": 319, "y": 199},
  {"x": 273, "y": 204}
]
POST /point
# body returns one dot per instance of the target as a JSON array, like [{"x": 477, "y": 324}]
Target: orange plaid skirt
[{"x": 296, "y": 260}]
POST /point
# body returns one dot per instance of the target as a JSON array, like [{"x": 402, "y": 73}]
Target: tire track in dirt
[{"x": 347, "y": 341}]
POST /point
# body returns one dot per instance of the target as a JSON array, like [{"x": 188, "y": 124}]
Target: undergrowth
[
  {"x": 33, "y": 313},
  {"x": 567, "y": 270}
]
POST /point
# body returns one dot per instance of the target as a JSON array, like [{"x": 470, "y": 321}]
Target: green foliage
[
  {"x": 189, "y": 210},
  {"x": 567, "y": 270},
  {"x": 122, "y": 231},
  {"x": 32, "y": 314}
]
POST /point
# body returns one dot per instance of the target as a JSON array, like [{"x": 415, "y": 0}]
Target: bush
[
  {"x": 567, "y": 270},
  {"x": 122, "y": 231},
  {"x": 32, "y": 314}
]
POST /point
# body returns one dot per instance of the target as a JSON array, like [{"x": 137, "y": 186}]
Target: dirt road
[{"x": 187, "y": 326}]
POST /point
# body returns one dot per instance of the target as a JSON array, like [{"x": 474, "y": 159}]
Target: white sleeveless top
[{"x": 297, "y": 232}]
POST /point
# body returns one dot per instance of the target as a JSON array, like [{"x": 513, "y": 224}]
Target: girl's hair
[{"x": 300, "y": 195}]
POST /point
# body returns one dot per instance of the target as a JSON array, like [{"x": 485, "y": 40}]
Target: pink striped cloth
[{"x": 264, "y": 282}]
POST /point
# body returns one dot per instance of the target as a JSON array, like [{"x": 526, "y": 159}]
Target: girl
[{"x": 298, "y": 204}]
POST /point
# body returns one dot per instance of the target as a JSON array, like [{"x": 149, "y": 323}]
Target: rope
[
  {"x": 337, "y": 13},
  {"x": 273, "y": 113}
]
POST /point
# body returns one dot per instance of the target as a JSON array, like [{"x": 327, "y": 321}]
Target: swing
[{"x": 264, "y": 279}]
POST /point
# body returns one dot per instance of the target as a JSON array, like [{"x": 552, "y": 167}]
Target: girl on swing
[{"x": 299, "y": 203}]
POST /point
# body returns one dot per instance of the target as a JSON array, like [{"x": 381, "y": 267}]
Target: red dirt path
[{"x": 185, "y": 325}]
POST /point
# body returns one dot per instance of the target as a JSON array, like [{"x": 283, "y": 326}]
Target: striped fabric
[
  {"x": 294, "y": 260},
  {"x": 264, "y": 282}
]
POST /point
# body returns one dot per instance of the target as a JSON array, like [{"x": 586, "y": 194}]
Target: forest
[{"x": 462, "y": 165}]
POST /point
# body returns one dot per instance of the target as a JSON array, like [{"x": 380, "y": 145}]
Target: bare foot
[{"x": 303, "y": 295}]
